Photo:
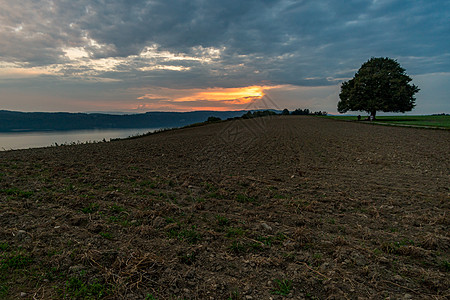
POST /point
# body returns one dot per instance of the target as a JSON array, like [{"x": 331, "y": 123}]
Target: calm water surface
[{"x": 24, "y": 140}]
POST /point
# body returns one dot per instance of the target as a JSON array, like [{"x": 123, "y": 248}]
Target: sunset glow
[
  {"x": 241, "y": 95},
  {"x": 139, "y": 56},
  {"x": 16, "y": 71},
  {"x": 203, "y": 99}
]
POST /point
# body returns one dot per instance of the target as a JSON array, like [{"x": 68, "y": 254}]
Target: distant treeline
[
  {"x": 305, "y": 112},
  {"x": 258, "y": 113},
  {"x": 263, "y": 113},
  {"x": 247, "y": 115},
  {"x": 12, "y": 121}
]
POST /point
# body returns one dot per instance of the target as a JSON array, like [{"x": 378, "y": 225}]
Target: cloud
[
  {"x": 218, "y": 98},
  {"x": 199, "y": 44},
  {"x": 284, "y": 31}
]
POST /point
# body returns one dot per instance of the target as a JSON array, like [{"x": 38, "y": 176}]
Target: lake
[{"x": 25, "y": 140}]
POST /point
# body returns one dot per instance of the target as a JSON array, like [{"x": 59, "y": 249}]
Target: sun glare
[
  {"x": 203, "y": 99},
  {"x": 240, "y": 95}
]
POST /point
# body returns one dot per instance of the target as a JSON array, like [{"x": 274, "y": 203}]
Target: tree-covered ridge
[{"x": 42, "y": 121}]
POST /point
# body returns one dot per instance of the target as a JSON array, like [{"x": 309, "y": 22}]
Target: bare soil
[{"x": 268, "y": 208}]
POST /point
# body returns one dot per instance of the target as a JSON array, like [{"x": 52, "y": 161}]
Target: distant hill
[{"x": 13, "y": 121}]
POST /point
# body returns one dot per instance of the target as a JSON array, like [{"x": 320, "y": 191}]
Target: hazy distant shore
[{"x": 12, "y": 121}]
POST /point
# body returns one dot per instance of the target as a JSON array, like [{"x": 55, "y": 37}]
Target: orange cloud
[
  {"x": 19, "y": 72},
  {"x": 240, "y": 95},
  {"x": 226, "y": 96}
]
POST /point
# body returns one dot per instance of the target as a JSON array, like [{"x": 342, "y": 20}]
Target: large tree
[{"x": 381, "y": 84}]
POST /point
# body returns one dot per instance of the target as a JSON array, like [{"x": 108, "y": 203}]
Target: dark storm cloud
[{"x": 281, "y": 41}]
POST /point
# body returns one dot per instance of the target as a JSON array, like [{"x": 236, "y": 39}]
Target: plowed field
[{"x": 275, "y": 207}]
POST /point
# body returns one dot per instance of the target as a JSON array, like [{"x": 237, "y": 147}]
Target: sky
[{"x": 184, "y": 55}]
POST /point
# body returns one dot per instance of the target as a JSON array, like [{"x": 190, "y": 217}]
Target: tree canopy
[
  {"x": 381, "y": 84},
  {"x": 285, "y": 112}
]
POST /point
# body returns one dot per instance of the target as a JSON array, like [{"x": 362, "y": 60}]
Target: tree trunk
[{"x": 373, "y": 115}]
